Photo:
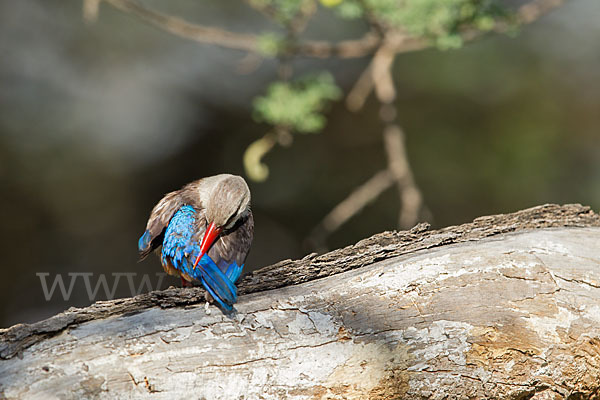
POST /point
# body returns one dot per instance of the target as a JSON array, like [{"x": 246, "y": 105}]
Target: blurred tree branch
[
  {"x": 389, "y": 35},
  {"x": 398, "y": 168},
  {"x": 351, "y": 48},
  {"x": 180, "y": 27}
]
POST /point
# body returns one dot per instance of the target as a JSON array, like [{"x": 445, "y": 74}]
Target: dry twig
[
  {"x": 398, "y": 164},
  {"x": 398, "y": 169},
  {"x": 187, "y": 30}
]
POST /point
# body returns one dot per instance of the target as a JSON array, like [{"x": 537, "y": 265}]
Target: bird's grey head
[{"x": 228, "y": 201}]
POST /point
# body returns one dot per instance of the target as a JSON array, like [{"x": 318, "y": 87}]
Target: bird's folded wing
[
  {"x": 158, "y": 222},
  {"x": 230, "y": 251}
]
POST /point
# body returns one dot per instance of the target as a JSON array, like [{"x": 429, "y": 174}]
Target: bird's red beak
[{"x": 209, "y": 237}]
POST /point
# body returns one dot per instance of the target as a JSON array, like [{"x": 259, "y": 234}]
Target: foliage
[
  {"x": 270, "y": 44},
  {"x": 284, "y": 10},
  {"x": 438, "y": 20},
  {"x": 289, "y": 106},
  {"x": 297, "y": 105}
]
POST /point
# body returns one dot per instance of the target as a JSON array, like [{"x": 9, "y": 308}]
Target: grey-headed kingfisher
[{"x": 205, "y": 230}]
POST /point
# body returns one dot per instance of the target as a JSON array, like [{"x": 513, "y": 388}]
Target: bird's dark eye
[{"x": 230, "y": 221}]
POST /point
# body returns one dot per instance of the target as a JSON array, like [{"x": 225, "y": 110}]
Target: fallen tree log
[{"x": 505, "y": 307}]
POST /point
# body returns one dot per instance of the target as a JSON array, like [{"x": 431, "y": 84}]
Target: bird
[{"x": 203, "y": 232}]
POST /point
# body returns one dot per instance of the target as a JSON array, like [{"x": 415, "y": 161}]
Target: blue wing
[{"x": 181, "y": 248}]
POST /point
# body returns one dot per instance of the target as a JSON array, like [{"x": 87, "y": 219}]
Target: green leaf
[
  {"x": 284, "y": 10},
  {"x": 485, "y": 23},
  {"x": 349, "y": 9},
  {"x": 270, "y": 44},
  {"x": 297, "y": 105},
  {"x": 441, "y": 21},
  {"x": 449, "y": 42}
]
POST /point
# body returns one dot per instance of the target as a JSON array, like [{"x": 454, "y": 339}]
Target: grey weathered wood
[
  {"x": 378, "y": 247},
  {"x": 511, "y": 316}
]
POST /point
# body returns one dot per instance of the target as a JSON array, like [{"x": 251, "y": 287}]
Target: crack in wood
[{"x": 580, "y": 281}]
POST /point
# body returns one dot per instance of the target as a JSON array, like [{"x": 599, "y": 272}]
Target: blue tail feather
[
  {"x": 217, "y": 280},
  {"x": 208, "y": 288},
  {"x": 234, "y": 271}
]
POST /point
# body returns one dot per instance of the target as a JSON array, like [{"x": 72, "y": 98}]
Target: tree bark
[{"x": 505, "y": 307}]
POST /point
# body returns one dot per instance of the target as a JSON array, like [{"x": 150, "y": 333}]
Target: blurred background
[{"x": 98, "y": 121}]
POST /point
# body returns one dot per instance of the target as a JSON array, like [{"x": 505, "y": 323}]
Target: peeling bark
[{"x": 505, "y": 307}]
